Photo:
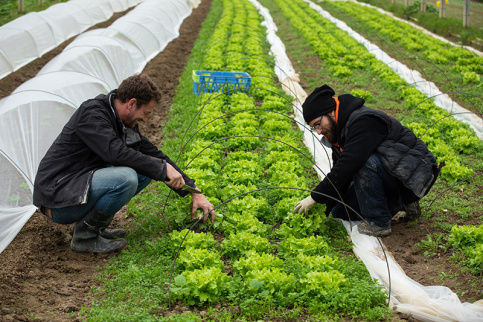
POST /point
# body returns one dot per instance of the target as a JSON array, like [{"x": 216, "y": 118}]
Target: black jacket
[
  {"x": 361, "y": 131},
  {"x": 94, "y": 138}
]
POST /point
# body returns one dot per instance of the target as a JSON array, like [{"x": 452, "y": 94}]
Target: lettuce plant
[{"x": 202, "y": 286}]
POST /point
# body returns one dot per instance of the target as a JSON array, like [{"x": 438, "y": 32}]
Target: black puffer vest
[{"x": 403, "y": 154}]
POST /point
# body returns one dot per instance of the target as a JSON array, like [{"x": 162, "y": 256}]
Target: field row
[{"x": 258, "y": 259}]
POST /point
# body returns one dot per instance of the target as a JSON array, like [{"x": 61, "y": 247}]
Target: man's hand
[
  {"x": 200, "y": 202},
  {"x": 174, "y": 179},
  {"x": 304, "y": 205}
]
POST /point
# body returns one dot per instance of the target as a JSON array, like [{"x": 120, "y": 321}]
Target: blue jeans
[
  {"x": 374, "y": 194},
  {"x": 111, "y": 188}
]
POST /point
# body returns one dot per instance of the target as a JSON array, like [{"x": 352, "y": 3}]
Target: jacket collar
[{"x": 347, "y": 105}]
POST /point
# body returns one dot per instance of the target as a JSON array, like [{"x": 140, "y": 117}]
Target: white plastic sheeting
[
  {"x": 14, "y": 218},
  {"x": 32, "y": 35},
  {"x": 95, "y": 62},
  {"x": 87, "y": 54},
  {"x": 155, "y": 25},
  {"x": 427, "y": 303},
  {"x": 24, "y": 119},
  {"x": 127, "y": 45}
]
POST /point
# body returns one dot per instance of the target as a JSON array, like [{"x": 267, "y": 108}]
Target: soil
[
  {"x": 427, "y": 270},
  {"x": 42, "y": 279}
]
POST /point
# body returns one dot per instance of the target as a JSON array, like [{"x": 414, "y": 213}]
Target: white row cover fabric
[
  {"x": 32, "y": 35},
  {"x": 95, "y": 62},
  {"x": 427, "y": 303},
  {"x": 15, "y": 218},
  {"x": 125, "y": 47},
  {"x": 100, "y": 57}
]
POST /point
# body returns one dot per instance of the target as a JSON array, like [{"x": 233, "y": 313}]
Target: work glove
[{"x": 304, "y": 205}]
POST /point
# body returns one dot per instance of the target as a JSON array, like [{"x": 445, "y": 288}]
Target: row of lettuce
[
  {"x": 462, "y": 66},
  {"x": 241, "y": 149},
  {"x": 260, "y": 255},
  {"x": 238, "y": 170},
  {"x": 446, "y": 137},
  {"x": 469, "y": 240}
]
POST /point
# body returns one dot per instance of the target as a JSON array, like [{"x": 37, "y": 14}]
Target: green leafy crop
[
  {"x": 192, "y": 258},
  {"x": 469, "y": 240},
  {"x": 202, "y": 286},
  {"x": 191, "y": 239},
  {"x": 244, "y": 243},
  {"x": 256, "y": 262},
  {"x": 292, "y": 246}
]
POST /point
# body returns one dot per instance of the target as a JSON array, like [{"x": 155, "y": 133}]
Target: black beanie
[{"x": 319, "y": 102}]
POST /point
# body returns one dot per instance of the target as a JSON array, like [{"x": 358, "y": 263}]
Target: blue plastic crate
[{"x": 205, "y": 81}]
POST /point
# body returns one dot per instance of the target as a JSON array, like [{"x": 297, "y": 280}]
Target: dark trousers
[{"x": 374, "y": 194}]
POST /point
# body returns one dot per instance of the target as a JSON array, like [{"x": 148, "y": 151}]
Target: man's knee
[
  {"x": 129, "y": 174},
  {"x": 373, "y": 164},
  {"x": 127, "y": 177}
]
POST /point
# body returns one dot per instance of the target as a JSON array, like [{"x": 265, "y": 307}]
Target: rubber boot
[
  {"x": 109, "y": 233},
  {"x": 413, "y": 211},
  {"x": 113, "y": 233},
  {"x": 86, "y": 237}
]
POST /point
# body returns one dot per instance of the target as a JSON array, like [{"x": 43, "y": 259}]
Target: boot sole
[
  {"x": 380, "y": 233},
  {"x": 122, "y": 245}
]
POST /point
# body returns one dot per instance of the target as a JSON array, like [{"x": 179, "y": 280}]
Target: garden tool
[{"x": 190, "y": 189}]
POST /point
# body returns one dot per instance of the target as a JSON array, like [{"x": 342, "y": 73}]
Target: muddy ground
[{"x": 42, "y": 279}]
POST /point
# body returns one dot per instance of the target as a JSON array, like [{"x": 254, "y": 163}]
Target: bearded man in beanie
[{"x": 379, "y": 166}]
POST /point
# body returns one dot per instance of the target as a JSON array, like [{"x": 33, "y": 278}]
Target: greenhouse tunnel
[{"x": 36, "y": 33}]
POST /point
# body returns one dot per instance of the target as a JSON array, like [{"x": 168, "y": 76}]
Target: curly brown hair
[{"x": 140, "y": 87}]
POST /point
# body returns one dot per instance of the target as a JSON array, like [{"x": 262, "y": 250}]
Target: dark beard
[{"x": 331, "y": 136}]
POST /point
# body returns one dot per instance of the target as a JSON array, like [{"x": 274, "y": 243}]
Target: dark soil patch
[
  {"x": 40, "y": 277},
  {"x": 427, "y": 269}
]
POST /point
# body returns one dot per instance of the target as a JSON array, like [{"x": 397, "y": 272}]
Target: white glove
[{"x": 304, "y": 205}]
